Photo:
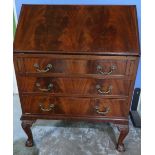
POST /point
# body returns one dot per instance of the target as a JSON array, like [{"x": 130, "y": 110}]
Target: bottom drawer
[{"x": 74, "y": 106}]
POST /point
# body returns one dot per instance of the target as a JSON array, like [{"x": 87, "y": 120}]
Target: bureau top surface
[{"x": 77, "y": 29}]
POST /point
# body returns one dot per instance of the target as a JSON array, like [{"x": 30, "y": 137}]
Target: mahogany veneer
[{"x": 76, "y": 62}]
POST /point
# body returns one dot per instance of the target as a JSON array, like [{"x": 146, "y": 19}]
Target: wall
[{"x": 114, "y": 2}]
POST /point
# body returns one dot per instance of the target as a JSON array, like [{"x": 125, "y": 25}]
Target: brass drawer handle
[
  {"x": 98, "y": 87},
  {"x": 107, "y": 109},
  {"x": 47, "y": 68},
  {"x": 100, "y": 70},
  {"x": 51, "y": 107},
  {"x": 50, "y": 86}
]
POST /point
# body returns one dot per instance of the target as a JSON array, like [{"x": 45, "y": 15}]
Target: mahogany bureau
[{"x": 76, "y": 62}]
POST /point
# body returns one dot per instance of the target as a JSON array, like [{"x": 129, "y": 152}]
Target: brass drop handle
[
  {"x": 50, "y": 86},
  {"x": 98, "y": 87},
  {"x": 47, "y": 68},
  {"x": 50, "y": 108},
  {"x": 106, "y": 111},
  {"x": 100, "y": 70}
]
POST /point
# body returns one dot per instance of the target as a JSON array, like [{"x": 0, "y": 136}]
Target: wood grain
[
  {"x": 73, "y": 86},
  {"x": 77, "y": 29},
  {"x": 83, "y": 64},
  {"x": 72, "y": 66},
  {"x": 73, "y": 106}
]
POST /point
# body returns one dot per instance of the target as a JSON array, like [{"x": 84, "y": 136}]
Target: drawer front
[
  {"x": 81, "y": 86},
  {"x": 74, "y": 106},
  {"x": 73, "y": 66}
]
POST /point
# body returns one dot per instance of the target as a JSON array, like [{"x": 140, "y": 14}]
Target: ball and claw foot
[
  {"x": 29, "y": 143},
  {"x": 120, "y": 148}
]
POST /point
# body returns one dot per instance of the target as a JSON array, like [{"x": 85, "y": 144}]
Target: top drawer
[{"x": 102, "y": 66}]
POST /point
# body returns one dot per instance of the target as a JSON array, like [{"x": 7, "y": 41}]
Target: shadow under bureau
[{"x": 76, "y": 62}]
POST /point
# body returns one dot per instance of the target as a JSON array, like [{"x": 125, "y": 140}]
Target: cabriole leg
[
  {"x": 26, "y": 125},
  {"x": 124, "y": 129}
]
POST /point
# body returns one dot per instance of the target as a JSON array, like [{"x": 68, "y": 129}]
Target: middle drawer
[{"x": 81, "y": 86}]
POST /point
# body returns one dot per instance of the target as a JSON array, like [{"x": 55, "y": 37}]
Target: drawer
[
  {"x": 74, "y": 106},
  {"x": 72, "y": 66},
  {"x": 81, "y": 86}
]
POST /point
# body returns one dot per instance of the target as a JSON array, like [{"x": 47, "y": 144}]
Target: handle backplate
[
  {"x": 100, "y": 70},
  {"x": 50, "y": 86},
  {"x": 50, "y": 108},
  {"x": 98, "y": 88},
  {"x": 106, "y": 111},
  {"x": 47, "y": 68}
]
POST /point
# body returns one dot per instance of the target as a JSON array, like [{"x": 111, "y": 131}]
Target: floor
[{"x": 69, "y": 138}]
